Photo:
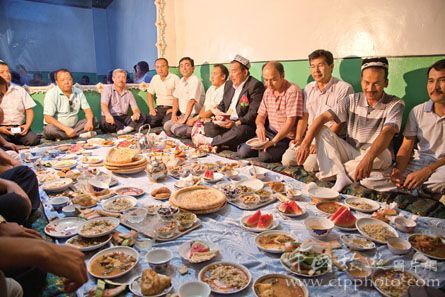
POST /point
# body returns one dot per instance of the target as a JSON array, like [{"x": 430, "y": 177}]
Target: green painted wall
[{"x": 407, "y": 80}]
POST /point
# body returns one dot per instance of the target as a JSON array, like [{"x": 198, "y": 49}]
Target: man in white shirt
[
  {"x": 241, "y": 100},
  {"x": 189, "y": 97},
  {"x": 18, "y": 112},
  {"x": 163, "y": 84}
]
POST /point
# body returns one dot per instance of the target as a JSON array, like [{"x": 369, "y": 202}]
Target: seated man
[
  {"x": 17, "y": 106},
  {"x": 372, "y": 119},
  {"x": 114, "y": 102},
  {"x": 320, "y": 95},
  {"x": 19, "y": 191},
  {"x": 241, "y": 100},
  {"x": 163, "y": 85},
  {"x": 425, "y": 126},
  {"x": 282, "y": 104},
  {"x": 141, "y": 72},
  {"x": 189, "y": 97},
  {"x": 61, "y": 110}
]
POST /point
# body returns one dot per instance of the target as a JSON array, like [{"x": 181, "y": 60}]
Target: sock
[
  {"x": 342, "y": 181},
  {"x": 88, "y": 134},
  {"x": 126, "y": 130},
  {"x": 199, "y": 139}
]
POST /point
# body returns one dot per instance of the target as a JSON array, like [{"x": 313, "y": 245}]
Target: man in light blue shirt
[{"x": 61, "y": 110}]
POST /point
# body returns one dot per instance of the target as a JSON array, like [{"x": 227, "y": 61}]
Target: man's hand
[
  {"x": 191, "y": 121},
  {"x": 15, "y": 230},
  {"x": 397, "y": 177},
  {"x": 70, "y": 132},
  {"x": 136, "y": 116},
  {"x": 302, "y": 154},
  {"x": 109, "y": 119},
  {"x": 267, "y": 145},
  {"x": 313, "y": 149},
  {"x": 25, "y": 130},
  {"x": 11, "y": 146},
  {"x": 88, "y": 126},
  {"x": 153, "y": 112},
  {"x": 417, "y": 178},
  {"x": 72, "y": 267},
  {"x": 227, "y": 124},
  {"x": 182, "y": 120},
  {"x": 5, "y": 130},
  {"x": 174, "y": 118},
  {"x": 6, "y": 159},
  {"x": 363, "y": 169},
  {"x": 261, "y": 132}
]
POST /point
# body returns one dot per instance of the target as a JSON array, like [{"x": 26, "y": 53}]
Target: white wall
[
  {"x": 214, "y": 30},
  {"x": 132, "y": 32},
  {"x": 45, "y": 37}
]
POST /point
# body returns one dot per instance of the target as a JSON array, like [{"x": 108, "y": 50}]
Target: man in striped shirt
[
  {"x": 372, "y": 119},
  {"x": 282, "y": 104}
]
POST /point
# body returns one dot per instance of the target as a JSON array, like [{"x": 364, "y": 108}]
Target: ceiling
[{"x": 78, "y": 3}]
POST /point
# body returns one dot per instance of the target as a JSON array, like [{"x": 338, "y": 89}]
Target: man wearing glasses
[{"x": 61, "y": 110}]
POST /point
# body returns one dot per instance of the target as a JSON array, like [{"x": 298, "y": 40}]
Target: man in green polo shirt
[{"x": 61, "y": 110}]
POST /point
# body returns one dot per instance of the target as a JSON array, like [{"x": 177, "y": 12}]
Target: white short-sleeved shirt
[
  {"x": 364, "y": 122},
  {"x": 190, "y": 89},
  {"x": 429, "y": 129},
  {"x": 14, "y": 104},
  {"x": 213, "y": 97},
  {"x": 317, "y": 101},
  {"x": 163, "y": 88}
]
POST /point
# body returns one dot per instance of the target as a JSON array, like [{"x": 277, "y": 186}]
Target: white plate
[
  {"x": 184, "y": 249},
  {"x": 89, "y": 248},
  {"x": 321, "y": 193},
  {"x": 123, "y": 249},
  {"x": 64, "y": 228},
  {"x": 68, "y": 157},
  {"x": 346, "y": 238},
  {"x": 93, "y": 160},
  {"x": 428, "y": 255},
  {"x": 64, "y": 164},
  {"x": 115, "y": 222},
  {"x": 274, "y": 224},
  {"x": 107, "y": 204},
  {"x": 346, "y": 229},
  {"x": 273, "y": 251},
  {"x": 360, "y": 223},
  {"x": 291, "y": 215},
  {"x": 375, "y": 205},
  {"x": 215, "y": 290},
  {"x": 256, "y": 143},
  {"x": 304, "y": 275},
  {"x": 135, "y": 288},
  {"x": 253, "y": 183},
  {"x": 290, "y": 280},
  {"x": 420, "y": 280},
  {"x": 57, "y": 185},
  {"x": 216, "y": 178}
]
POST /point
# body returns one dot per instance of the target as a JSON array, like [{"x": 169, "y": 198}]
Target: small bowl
[
  {"x": 69, "y": 211},
  {"x": 144, "y": 244},
  {"x": 259, "y": 172},
  {"x": 318, "y": 227},
  {"x": 158, "y": 259},
  {"x": 38, "y": 151},
  {"x": 59, "y": 202},
  {"x": 186, "y": 219},
  {"x": 358, "y": 270},
  {"x": 294, "y": 194},
  {"x": 136, "y": 215},
  {"x": 231, "y": 174},
  {"x": 53, "y": 153},
  {"x": 405, "y": 225},
  {"x": 167, "y": 212},
  {"x": 398, "y": 246},
  {"x": 166, "y": 229},
  {"x": 194, "y": 289}
]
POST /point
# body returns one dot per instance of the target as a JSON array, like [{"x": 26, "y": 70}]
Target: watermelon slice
[
  {"x": 285, "y": 207},
  {"x": 198, "y": 247},
  {"x": 337, "y": 213},
  {"x": 290, "y": 207},
  {"x": 346, "y": 219},
  {"x": 265, "y": 221},
  {"x": 295, "y": 208},
  {"x": 208, "y": 174},
  {"x": 252, "y": 221}
]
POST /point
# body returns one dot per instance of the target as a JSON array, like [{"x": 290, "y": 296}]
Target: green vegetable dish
[{"x": 306, "y": 263}]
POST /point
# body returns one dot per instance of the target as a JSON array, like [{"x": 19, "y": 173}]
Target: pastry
[
  {"x": 161, "y": 193},
  {"x": 123, "y": 155},
  {"x": 153, "y": 283},
  {"x": 276, "y": 186}
]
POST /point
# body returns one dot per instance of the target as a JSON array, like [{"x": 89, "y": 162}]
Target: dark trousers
[
  {"x": 29, "y": 139},
  {"x": 161, "y": 116},
  {"x": 272, "y": 154},
  {"x": 120, "y": 122},
  {"x": 12, "y": 206},
  {"x": 229, "y": 138}
]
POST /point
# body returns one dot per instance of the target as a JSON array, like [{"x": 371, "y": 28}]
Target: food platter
[
  {"x": 273, "y": 241},
  {"x": 357, "y": 242},
  {"x": 329, "y": 207},
  {"x": 375, "y": 230},
  {"x": 119, "y": 203},
  {"x": 64, "y": 164},
  {"x": 311, "y": 264},
  {"x": 130, "y": 191},
  {"x": 64, "y": 228},
  {"x": 256, "y": 143},
  {"x": 135, "y": 288},
  {"x": 431, "y": 246},
  {"x": 252, "y": 183},
  {"x": 394, "y": 283},
  {"x": 284, "y": 285},
  {"x": 225, "y": 277},
  {"x": 57, "y": 185},
  {"x": 121, "y": 259},
  {"x": 362, "y": 204},
  {"x": 256, "y": 229},
  {"x": 197, "y": 251},
  {"x": 98, "y": 227},
  {"x": 198, "y": 199},
  {"x": 88, "y": 244}
]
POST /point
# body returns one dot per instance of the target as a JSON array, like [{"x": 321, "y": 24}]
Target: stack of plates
[
  {"x": 137, "y": 165},
  {"x": 198, "y": 199}
]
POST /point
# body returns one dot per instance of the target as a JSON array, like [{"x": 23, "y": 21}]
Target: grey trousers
[
  {"x": 29, "y": 139},
  {"x": 230, "y": 138},
  {"x": 51, "y": 132}
]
